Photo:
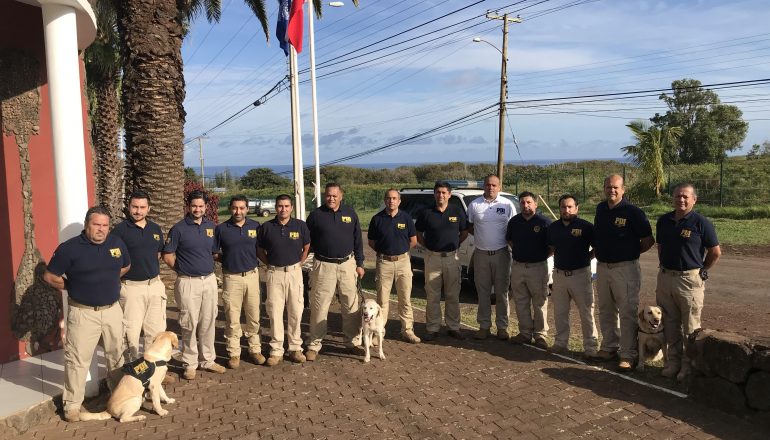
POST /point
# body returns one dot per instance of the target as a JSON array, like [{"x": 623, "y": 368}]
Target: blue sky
[{"x": 558, "y": 51}]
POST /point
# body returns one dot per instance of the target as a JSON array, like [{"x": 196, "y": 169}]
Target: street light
[{"x": 311, "y": 41}]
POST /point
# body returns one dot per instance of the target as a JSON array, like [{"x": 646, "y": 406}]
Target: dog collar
[{"x": 648, "y": 333}]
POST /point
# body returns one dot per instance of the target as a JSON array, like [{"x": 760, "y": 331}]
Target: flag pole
[{"x": 296, "y": 137}]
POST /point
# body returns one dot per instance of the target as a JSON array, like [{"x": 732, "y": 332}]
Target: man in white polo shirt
[{"x": 488, "y": 218}]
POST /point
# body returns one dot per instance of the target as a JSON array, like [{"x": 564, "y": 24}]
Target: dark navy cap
[
  {"x": 529, "y": 238},
  {"x": 143, "y": 245},
  {"x": 391, "y": 235},
  {"x": 237, "y": 244},
  {"x": 336, "y": 234},
  {"x": 193, "y": 245},
  {"x": 617, "y": 232},
  {"x": 683, "y": 243},
  {"x": 571, "y": 243},
  {"x": 284, "y": 244},
  {"x": 92, "y": 270},
  {"x": 441, "y": 230}
]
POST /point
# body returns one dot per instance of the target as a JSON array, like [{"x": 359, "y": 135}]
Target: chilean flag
[{"x": 290, "y": 21}]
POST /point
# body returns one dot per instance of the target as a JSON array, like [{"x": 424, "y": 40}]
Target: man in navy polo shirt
[
  {"x": 391, "y": 234},
  {"x": 527, "y": 234},
  {"x": 89, "y": 268},
  {"x": 284, "y": 243},
  {"x": 570, "y": 239},
  {"x": 622, "y": 233},
  {"x": 441, "y": 229},
  {"x": 687, "y": 248},
  {"x": 189, "y": 248},
  {"x": 338, "y": 259},
  {"x": 236, "y": 243},
  {"x": 142, "y": 293}
]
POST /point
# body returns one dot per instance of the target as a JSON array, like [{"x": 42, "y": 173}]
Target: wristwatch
[{"x": 704, "y": 274}]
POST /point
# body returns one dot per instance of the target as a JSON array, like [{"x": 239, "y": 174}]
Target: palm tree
[
  {"x": 153, "y": 92},
  {"x": 102, "y": 63},
  {"x": 648, "y": 152}
]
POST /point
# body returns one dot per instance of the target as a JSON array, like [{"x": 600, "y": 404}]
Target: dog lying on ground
[
  {"x": 373, "y": 326},
  {"x": 652, "y": 341},
  {"x": 128, "y": 395}
]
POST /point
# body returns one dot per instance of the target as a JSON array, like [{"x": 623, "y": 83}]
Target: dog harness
[{"x": 142, "y": 369}]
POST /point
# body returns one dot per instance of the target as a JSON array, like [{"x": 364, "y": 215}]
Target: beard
[{"x": 568, "y": 217}]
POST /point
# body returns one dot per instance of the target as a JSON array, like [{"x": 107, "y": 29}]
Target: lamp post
[
  {"x": 311, "y": 41},
  {"x": 503, "y": 85}
]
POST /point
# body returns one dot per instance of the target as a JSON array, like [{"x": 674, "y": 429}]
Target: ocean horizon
[{"x": 239, "y": 170}]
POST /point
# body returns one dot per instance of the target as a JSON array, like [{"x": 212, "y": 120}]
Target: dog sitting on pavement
[
  {"x": 373, "y": 326},
  {"x": 652, "y": 341},
  {"x": 146, "y": 373}
]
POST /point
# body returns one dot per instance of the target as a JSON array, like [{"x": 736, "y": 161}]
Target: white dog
[
  {"x": 652, "y": 341},
  {"x": 128, "y": 395},
  {"x": 373, "y": 325}
]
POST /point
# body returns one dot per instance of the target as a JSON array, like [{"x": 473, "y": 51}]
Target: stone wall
[{"x": 731, "y": 372}]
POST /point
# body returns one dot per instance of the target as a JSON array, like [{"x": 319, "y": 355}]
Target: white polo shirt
[{"x": 490, "y": 220}]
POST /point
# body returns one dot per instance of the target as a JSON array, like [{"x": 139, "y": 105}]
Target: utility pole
[
  {"x": 200, "y": 151},
  {"x": 503, "y": 88}
]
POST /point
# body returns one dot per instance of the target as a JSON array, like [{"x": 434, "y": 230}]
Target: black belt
[
  {"x": 242, "y": 274},
  {"x": 140, "y": 282},
  {"x": 333, "y": 260},
  {"x": 492, "y": 252},
  {"x": 74, "y": 303},
  {"x": 288, "y": 268},
  {"x": 679, "y": 273},
  {"x": 392, "y": 257},
  {"x": 569, "y": 273}
]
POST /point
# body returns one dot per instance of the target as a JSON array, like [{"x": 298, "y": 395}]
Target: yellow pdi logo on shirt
[
  {"x": 577, "y": 232},
  {"x": 115, "y": 252},
  {"x": 156, "y": 237},
  {"x": 401, "y": 225},
  {"x": 620, "y": 221},
  {"x": 453, "y": 219},
  {"x": 294, "y": 235},
  {"x": 347, "y": 219},
  {"x": 252, "y": 233},
  {"x": 685, "y": 233},
  {"x": 209, "y": 232}
]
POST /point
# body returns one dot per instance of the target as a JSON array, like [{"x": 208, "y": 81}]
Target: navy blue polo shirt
[
  {"x": 143, "y": 246},
  {"x": 237, "y": 244},
  {"x": 92, "y": 270},
  {"x": 441, "y": 230},
  {"x": 336, "y": 234},
  {"x": 683, "y": 243},
  {"x": 571, "y": 243},
  {"x": 529, "y": 238},
  {"x": 284, "y": 244},
  {"x": 193, "y": 245},
  {"x": 391, "y": 235},
  {"x": 617, "y": 232}
]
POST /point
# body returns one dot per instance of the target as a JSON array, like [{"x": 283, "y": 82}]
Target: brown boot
[
  {"x": 72, "y": 415},
  {"x": 521, "y": 339},
  {"x": 482, "y": 334},
  {"x": 215, "y": 368},
  {"x": 257, "y": 358},
  {"x": 297, "y": 357},
  {"x": 189, "y": 373},
  {"x": 234, "y": 362},
  {"x": 272, "y": 361},
  {"x": 311, "y": 355},
  {"x": 168, "y": 378},
  {"x": 410, "y": 337}
]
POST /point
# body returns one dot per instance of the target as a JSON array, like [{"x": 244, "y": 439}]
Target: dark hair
[
  {"x": 238, "y": 198},
  {"x": 389, "y": 190},
  {"x": 685, "y": 185},
  {"x": 101, "y": 210},
  {"x": 569, "y": 196},
  {"x": 197, "y": 195},
  {"x": 333, "y": 185},
  {"x": 139, "y": 195},
  {"x": 284, "y": 197},
  {"x": 442, "y": 184},
  {"x": 527, "y": 194}
]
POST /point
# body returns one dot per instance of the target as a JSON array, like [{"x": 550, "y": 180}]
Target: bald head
[{"x": 614, "y": 188}]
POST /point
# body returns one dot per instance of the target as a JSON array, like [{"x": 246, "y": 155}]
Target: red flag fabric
[{"x": 296, "y": 21}]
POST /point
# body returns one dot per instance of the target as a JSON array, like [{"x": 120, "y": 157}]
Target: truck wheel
[{"x": 265, "y": 213}]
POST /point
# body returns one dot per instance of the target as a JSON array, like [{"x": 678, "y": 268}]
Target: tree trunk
[
  {"x": 153, "y": 94},
  {"x": 104, "y": 133}
]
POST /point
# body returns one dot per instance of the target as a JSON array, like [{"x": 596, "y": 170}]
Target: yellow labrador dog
[
  {"x": 373, "y": 326},
  {"x": 146, "y": 373},
  {"x": 652, "y": 341}
]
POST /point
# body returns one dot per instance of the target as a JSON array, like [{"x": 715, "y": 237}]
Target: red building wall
[{"x": 21, "y": 27}]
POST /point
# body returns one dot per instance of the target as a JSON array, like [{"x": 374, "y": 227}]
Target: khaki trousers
[
  {"x": 576, "y": 287},
  {"x": 492, "y": 271},
  {"x": 197, "y": 301},
  {"x": 442, "y": 272},
  {"x": 144, "y": 309},
  {"x": 85, "y": 327},
  {"x": 617, "y": 296},
  {"x": 284, "y": 290},
  {"x": 680, "y": 295},
  {"x": 529, "y": 289},
  {"x": 398, "y": 273},
  {"x": 325, "y": 280},
  {"x": 241, "y": 293}
]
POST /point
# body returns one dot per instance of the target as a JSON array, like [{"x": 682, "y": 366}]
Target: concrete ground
[{"x": 444, "y": 389}]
